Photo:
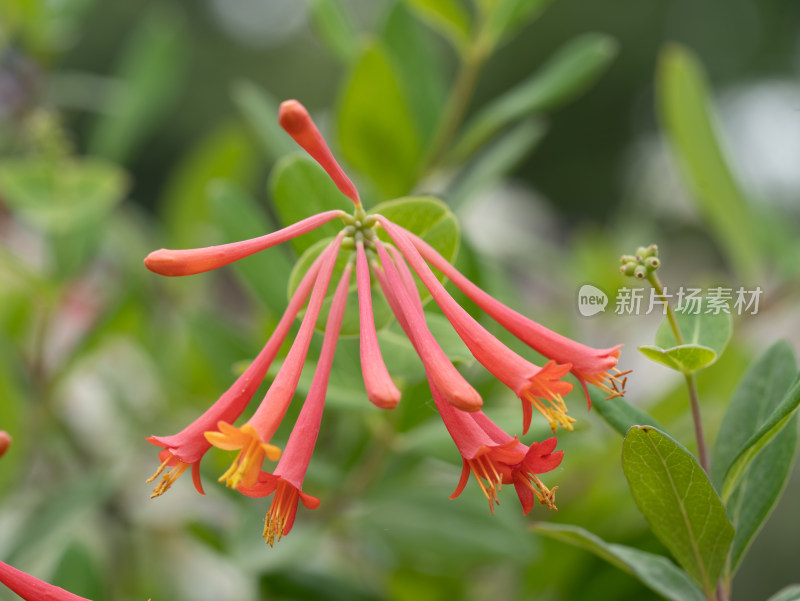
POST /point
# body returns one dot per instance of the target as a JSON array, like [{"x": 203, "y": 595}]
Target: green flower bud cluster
[{"x": 640, "y": 265}]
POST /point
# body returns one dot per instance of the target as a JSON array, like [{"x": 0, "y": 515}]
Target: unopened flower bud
[
  {"x": 640, "y": 272},
  {"x": 627, "y": 259},
  {"x": 652, "y": 263},
  {"x": 628, "y": 268}
]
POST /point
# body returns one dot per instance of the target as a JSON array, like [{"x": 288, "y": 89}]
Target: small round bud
[
  {"x": 626, "y": 259},
  {"x": 640, "y": 272},
  {"x": 628, "y": 268},
  {"x": 652, "y": 263},
  {"x": 641, "y": 253}
]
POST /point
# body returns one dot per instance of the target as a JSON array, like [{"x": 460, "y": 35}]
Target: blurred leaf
[
  {"x": 240, "y": 218},
  {"x": 654, "y": 571},
  {"x": 225, "y": 152},
  {"x": 260, "y": 110},
  {"x": 761, "y": 390},
  {"x": 427, "y": 217},
  {"x": 64, "y": 195},
  {"x": 79, "y": 573},
  {"x": 766, "y": 432},
  {"x": 419, "y": 73},
  {"x": 790, "y": 593},
  {"x": 686, "y": 116},
  {"x": 335, "y": 29},
  {"x": 401, "y": 358},
  {"x": 448, "y": 17},
  {"x": 300, "y": 189},
  {"x": 376, "y": 130},
  {"x": 568, "y": 73},
  {"x": 686, "y": 358},
  {"x": 506, "y": 16},
  {"x": 676, "y": 497},
  {"x": 150, "y": 71},
  {"x": 619, "y": 413},
  {"x": 495, "y": 160}
]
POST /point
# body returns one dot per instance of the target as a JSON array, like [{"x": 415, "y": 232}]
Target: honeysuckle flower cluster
[{"x": 490, "y": 454}]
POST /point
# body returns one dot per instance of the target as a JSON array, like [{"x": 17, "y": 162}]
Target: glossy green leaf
[
  {"x": 150, "y": 73},
  {"x": 567, "y": 74},
  {"x": 448, "y": 17},
  {"x": 419, "y": 72},
  {"x": 759, "y": 393},
  {"x": 619, "y": 413},
  {"x": 678, "y": 501},
  {"x": 377, "y": 132},
  {"x": 686, "y": 358},
  {"x": 766, "y": 432},
  {"x": 61, "y": 196},
  {"x": 260, "y": 111},
  {"x": 427, "y": 217},
  {"x": 654, "y": 571},
  {"x": 790, "y": 593},
  {"x": 240, "y": 218},
  {"x": 495, "y": 160},
  {"x": 334, "y": 29},
  {"x": 300, "y": 188},
  {"x": 686, "y": 114}
]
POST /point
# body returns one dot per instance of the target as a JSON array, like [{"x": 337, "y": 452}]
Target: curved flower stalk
[{"x": 493, "y": 456}]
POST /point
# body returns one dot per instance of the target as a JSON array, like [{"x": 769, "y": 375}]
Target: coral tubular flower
[
  {"x": 541, "y": 387},
  {"x": 441, "y": 372},
  {"x": 294, "y": 118},
  {"x": 33, "y": 589},
  {"x": 189, "y": 446},
  {"x": 5, "y": 442},
  {"x": 253, "y": 438},
  {"x": 197, "y": 260},
  {"x": 287, "y": 479},
  {"x": 381, "y": 391},
  {"x": 589, "y": 365}
]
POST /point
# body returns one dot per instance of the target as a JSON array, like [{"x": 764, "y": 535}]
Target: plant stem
[
  {"x": 472, "y": 60},
  {"x": 691, "y": 384}
]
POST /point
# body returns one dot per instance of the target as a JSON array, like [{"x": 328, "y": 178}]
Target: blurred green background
[{"x": 126, "y": 127}]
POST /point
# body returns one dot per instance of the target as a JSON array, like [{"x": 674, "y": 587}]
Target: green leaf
[
  {"x": 699, "y": 325},
  {"x": 419, "y": 72},
  {"x": 495, "y": 160},
  {"x": 448, "y": 17},
  {"x": 376, "y": 130},
  {"x": 760, "y": 390},
  {"x": 300, "y": 188},
  {"x": 568, "y": 73},
  {"x": 687, "y": 119},
  {"x": 150, "y": 73},
  {"x": 706, "y": 330},
  {"x": 678, "y": 501},
  {"x": 759, "y": 393},
  {"x": 240, "y": 218},
  {"x": 790, "y": 593},
  {"x": 334, "y": 29},
  {"x": 686, "y": 358},
  {"x": 260, "y": 110},
  {"x": 506, "y": 16},
  {"x": 425, "y": 216},
  {"x": 61, "y": 196},
  {"x": 654, "y": 571},
  {"x": 767, "y": 431},
  {"x": 619, "y": 413}
]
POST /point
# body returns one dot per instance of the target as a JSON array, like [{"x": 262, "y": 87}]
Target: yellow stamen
[
  {"x": 169, "y": 478},
  {"x": 246, "y": 468},
  {"x": 555, "y": 411},
  {"x": 613, "y": 384},
  {"x": 488, "y": 478},
  {"x": 544, "y": 495},
  {"x": 283, "y": 504}
]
